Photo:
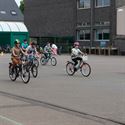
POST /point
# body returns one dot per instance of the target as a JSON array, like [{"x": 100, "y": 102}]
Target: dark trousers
[
  {"x": 47, "y": 55},
  {"x": 75, "y": 60}
]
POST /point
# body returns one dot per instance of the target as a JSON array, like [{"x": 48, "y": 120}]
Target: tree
[{"x": 22, "y": 6}]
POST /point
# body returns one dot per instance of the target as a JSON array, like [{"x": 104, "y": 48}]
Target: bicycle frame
[{"x": 48, "y": 56}]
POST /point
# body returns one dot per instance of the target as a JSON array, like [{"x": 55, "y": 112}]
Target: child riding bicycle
[
  {"x": 47, "y": 50},
  {"x": 75, "y": 55}
]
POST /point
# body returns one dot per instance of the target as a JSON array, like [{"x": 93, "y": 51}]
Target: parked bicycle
[
  {"x": 44, "y": 60},
  {"x": 84, "y": 67}
]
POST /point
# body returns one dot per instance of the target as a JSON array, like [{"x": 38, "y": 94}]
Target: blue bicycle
[{"x": 45, "y": 59}]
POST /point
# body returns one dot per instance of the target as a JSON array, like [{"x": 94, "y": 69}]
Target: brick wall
[{"x": 46, "y": 18}]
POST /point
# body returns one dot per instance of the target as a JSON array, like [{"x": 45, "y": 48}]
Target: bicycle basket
[{"x": 84, "y": 57}]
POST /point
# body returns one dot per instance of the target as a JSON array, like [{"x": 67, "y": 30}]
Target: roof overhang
[{"x": 12, "y": 27}]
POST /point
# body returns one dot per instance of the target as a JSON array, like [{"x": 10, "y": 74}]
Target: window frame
[
  {"x": 102, "y": 32},
  {"x": 13, "y": 12},
  {"x": 78, "y": 5},
  {"x": 84, "y": 35},
  {"x": 102, "y": 4}
]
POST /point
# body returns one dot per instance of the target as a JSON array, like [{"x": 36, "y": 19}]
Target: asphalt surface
[{"x": 54, "y": 98}]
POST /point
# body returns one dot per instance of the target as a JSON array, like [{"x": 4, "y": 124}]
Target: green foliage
[{"x": 22, "y": 6}]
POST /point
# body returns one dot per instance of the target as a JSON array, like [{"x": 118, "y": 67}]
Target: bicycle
[
  {"x": 35, "y": 59},
  {"x": 19, "y": 70},
  {"x": 31, "y": 65},
  {"x": 84, "y": 67},
  {"x": 44, "y": 60},
  {"x": 33, "y": 69}
]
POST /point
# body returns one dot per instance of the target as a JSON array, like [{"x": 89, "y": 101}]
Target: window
[
  {"x": 102, "y": 3},
  {"x": 102, "y": 34},
  {"x": 13, "y": 12},
  {"x": 3, "y": 12},
  {"x": 84, "y": 4},
  {"x": 83, "y": 24},
  {"x": 105, "y": 23},
  {"x": 83, "y": 34}
]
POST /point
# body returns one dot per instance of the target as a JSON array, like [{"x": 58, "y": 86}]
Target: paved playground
[{"x": 54, "y": 98}]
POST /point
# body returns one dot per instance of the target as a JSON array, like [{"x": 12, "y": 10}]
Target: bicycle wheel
[
  {"x": 12, "y": 73},
  {"x": 34, "y": 71},
  {"x": 43, "y": 60},
  {"x": 85, "y": 69},
  {"x": 25, "y": 74},
  {"x": 36, "y": 62},
  {"x": 70, "y": 68},
  {"x": 53, "y": 61}
]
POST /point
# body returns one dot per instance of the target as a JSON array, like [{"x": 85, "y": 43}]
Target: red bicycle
[{"x": 84, "y": 67}]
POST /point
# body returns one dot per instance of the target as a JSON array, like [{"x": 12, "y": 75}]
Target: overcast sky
[{"x": 18, "y": 2}]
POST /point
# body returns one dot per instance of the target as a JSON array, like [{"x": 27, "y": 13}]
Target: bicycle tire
[
  {"x": 36, "y": 62},
  {"x": 85, "y": 69},
  {"x": 34, "y": 71},
  {"x": 24, "y": 73},
  {"x": 12, "y": 71},
  {"x": 53, "y": 61},
  {"x": 70, "y": 68},
  {"x": 43, "y": 60}
]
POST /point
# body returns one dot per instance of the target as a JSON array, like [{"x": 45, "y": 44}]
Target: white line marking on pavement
[{"x": 10, "y": 120}]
